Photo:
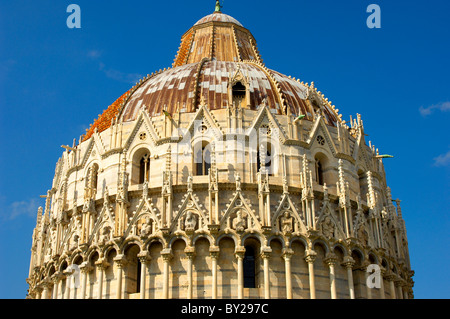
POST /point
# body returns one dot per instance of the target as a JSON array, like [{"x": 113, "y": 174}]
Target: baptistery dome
[{"x": 220, "y": 178}]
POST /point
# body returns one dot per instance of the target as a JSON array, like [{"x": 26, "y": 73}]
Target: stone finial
[
  {"x": 238, "y": 182},
  {"x": 218, "y": 7},
  {"x": 190, "y": 181}
]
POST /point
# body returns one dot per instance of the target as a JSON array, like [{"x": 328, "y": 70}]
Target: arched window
[
  {"x": 144, "y": 169},
  {"x": 238, "y": 92},
  {"x": 249, "y": 268},
  {"x": 202, "y": 159}
]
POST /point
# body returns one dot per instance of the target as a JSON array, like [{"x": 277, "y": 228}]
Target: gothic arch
[
  {"x": 373, "y": 258},
  {"x": 173, "y": 239},
  {"x": 228, "y": 235},
  {"x": 131, "y": 240},
  {"x": 342, "y": 246},
  {"x": 209, "y": 238},
  {"x": 202, "y": 156},
  {"x": 92, "y": 252},
  {"x": 153, "y": 240},
  {"x": 256, "y": 235},
  {"x": 323, "y": 243},
  {"x": 300, "y": 239},
  {"x": 73, "y": 259},
  {"x": 323, "y": 171},
  {"x": 279, "y": 238},
  {"x": 136, "y": 155},
  {"x": 108, "y": 248}
]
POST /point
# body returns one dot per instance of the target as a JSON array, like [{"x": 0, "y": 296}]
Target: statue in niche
[
  {"x": 190, "y": 222},
  {"x": 286, "y": 223},
  {"x": 239, "y": 223},
  {"x": 105, "y": 235},
  {"x": 328, "y": 227},
  {"x": 146, "y": 228}
]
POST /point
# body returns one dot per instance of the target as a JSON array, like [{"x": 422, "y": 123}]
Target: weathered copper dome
[{"x": 214, "y": 55}]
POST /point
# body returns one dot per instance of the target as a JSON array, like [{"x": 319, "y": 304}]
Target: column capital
[
  {"x": 144, "y": 257},
  {"x": 399, "y": 282},
  {"x": 167, "y": 254},
  {"x": 46, "y": 283},
  {"x": 214, "y": 252},
  {"x": 331, "y": 259},
  {"x": 364, "y": 265},
  {"x": 101, "y": 264},
  {"x": 390, "y": 276},
  {"x": 121, "y": 261},
  {"x": 56, "y": 277},
  {"x": 190, "y": 252},
  {"x": 38, "y": 289},
  {"x": 348, "y": 262},
  {"x": 287, "y": 253},
  {"x": 240, "y": 252},
  {"x": 310, "y": 256},
  {"x": 86, "y": 267},
  {"x": 266, "y": 252}
]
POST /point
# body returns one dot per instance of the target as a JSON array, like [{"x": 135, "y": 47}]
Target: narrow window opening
[
  {"x": 144, "y": 169},
  {"x": 238, "y": 92},
  {"x": 319, "y": 172},
  {"x": 203, "y": 161},
  {"x": 249, "y": 268},
  {"x": 138, "y": 276}
]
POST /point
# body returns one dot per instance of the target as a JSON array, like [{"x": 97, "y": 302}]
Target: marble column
[
  {"x": 382, "y": 293},
  {"x": 348, "y": 263},
  {"x": 67, "y": 275},
  {"x": 85, "y": 270},
  {"x": 46, "y": 285},
  {"x": 121, "y": 262},
  {"x": 167, "y": 256},
  {"x": 265, "y": 254},
  {"x": 391, "y": 277},
  {"x": 331, "y": 262},
  {"x": 287, "y": 254},
  {"x": 363, "y": 268},
  {"x": 144, "y": 259},
  {"x": 39, "y": 292},
  {"x": 240, "y": 254},
  {"x": 56, "y": 278},
  {"x": 101, "y": 265},
  {"x": 310, "y": 257},
  {"x": 399, "y": 285},
  {"x": 214, "y": 254},
  {"x": 190, "y": 254}
]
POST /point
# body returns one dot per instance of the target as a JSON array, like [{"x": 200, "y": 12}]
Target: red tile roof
[{"x": 104, "y": 120}]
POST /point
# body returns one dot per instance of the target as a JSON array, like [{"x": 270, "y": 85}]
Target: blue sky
[{"x": 54, "y": 81}]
